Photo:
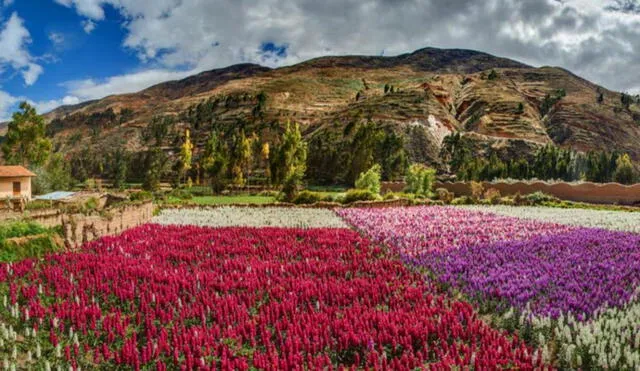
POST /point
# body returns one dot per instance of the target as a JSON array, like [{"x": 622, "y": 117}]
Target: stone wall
[{"x": 79, "y": 228}]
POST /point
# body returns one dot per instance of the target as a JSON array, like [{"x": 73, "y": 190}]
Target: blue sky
[{"x": 55, "y": 52}]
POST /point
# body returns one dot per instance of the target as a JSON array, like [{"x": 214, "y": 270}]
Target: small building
[{"x": 15, "y": 182}]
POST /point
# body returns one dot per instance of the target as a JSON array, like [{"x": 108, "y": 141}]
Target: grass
[
  {"x": 38, "y": 241},
  {"x": 222, "y": 200}
]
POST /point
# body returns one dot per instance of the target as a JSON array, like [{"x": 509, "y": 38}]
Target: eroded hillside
[{"x": 421, "y": 96}]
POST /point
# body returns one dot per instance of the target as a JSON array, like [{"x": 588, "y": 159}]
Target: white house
[{"x": 15, "y": 182}]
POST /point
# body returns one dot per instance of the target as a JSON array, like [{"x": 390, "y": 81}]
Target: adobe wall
[
  {"x": 79, "y": 228},
  {"x": 608, "y": 193}
]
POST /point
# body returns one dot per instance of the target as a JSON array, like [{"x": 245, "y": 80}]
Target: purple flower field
[
  {"x": 574, "y": 272},
  {"x": 547, "y": 269}
]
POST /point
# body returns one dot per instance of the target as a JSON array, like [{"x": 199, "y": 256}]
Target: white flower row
[
  {"x": 605, "y": 219},
  {"x": 251, "y": 217},
  {"x": 609, "y": 341}
]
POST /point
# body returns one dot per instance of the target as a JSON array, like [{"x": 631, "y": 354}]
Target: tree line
[
  {"x": 237, "y": 156},
  {"x": 547, "y": 163}
]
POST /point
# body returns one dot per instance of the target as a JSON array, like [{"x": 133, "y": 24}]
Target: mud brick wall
[
  {"x": 608, "y": 193},
  {"x": 79, "y": 229}
]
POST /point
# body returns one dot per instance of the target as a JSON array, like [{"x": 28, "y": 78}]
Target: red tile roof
[{"x": 14, "y": 171}]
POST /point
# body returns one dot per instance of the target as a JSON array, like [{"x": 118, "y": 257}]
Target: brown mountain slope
[{"x": 435, "y": 92}]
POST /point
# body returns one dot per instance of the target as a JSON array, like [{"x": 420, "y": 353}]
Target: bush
[
  {"x": 538, "y": 198},
  {"x": 477, "y": 190},
  {"x": 182, "y": 194},
  {"x": 268, "y": 194},
  {"x": 10, "y": 251},
  {"x": 141, "y": 196},
  {"x": 307, "y": 197},
  {"x": 370, "y": 180},
  {"x": 420, "y": 179},
  {"x": 464, "y": 200},
  {"x": 493, "y": 196},
  {"x": 39, "y": 205},
  {"x": 20, "y": 229},
  {"x": 200, "y": 191},
  {"x": 91, "y": 204},
  {"x": 519, "y": 200},
  {"x": 35, "y": 247},
  {"x": 354, "y": 195},
  {"x": 444, "y": 195}
]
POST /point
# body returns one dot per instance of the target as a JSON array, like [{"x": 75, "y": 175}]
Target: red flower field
[{"x": 159, "y": 297}]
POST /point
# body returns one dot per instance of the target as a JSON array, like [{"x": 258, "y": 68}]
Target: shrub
[
  {"x": 182, "y": 194},
  {"x": 91, "y": 204},
  {"x": 20, "y": 229},
  {"x": 37, "y": 246},
  {"x": 464, "y": 200},
  {"x": 519, "y": 200},
  {"x": 307, "y": 197},
  {"x": 420, "y": 179},
  {"x": 370, "y": 180},
  {"x": 624, "y": 173},
  {"x": 477, "y": 190},
  {"x": 201, "y": 191},
  {"x": 268, "y": 194},
  {"x": 444, "y": 195},
  {"x": 141, "y": 196},
  {"x": 354, "y": 195},
  {"x": 39, "y": 205},
  {"x": 399, "y": 195},
  {"x": 493, "y": 196},
  {"x": 538, "y": 198}
]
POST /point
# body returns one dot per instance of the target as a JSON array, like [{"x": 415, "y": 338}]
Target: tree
[
  {"x": 240, "y": 161},
  {"x": 493, "y": 75},
  {"x": 120, "y": 168},
  {"x": 26, "y": 142},
  {"x": 370, "y": 179},
  {"x": 289, "y": 162},
  {"x": 626, "y": 100},
  {"x": 55, "y": 176},
  {"x": 624, "y": 173},
  {"x": 186, "y": 153},
  {"x": 264, "y": 159},
  {"x": 215, "y": 161},
  {"x": 420, "y": 179},
  {"x": 393, "y": 156},
  {"x": 155, "y": 163},
  {"x": 363, "y": 149}
]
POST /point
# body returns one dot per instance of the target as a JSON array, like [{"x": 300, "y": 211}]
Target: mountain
[{"x": 422, "y": 96}]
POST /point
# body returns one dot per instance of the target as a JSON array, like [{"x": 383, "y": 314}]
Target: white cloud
[
  {"x": 56, "y": 38},
  {"x": 93, "y": 89},
  {"x": 46, "y": 106},
  {"x": 7, "y": 101},
  {"x": 88, "y": 26},
  {"x": 7, "y": 3},
  {"x": 203, "y": 34},
  {"x": 89, "y": 8},
  {"x": 14, "y": 54}
]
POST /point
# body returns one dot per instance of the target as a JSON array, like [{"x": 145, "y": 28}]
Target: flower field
[
  {"x": 283, "y": 288},
  {"x": 572, "y": 291},
  {"x": 251, "y": 217},
  {"x": 613, "y": 220},
  {"x": 416, "y": 230},
  {"x": 170, "y": 297}
]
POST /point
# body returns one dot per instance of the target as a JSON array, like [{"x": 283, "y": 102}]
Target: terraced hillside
[{"x": 422, "y": 96}]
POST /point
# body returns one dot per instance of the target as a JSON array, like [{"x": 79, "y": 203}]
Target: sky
[{"x": 57, "y": 52}]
